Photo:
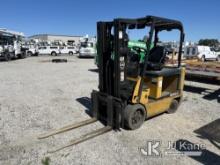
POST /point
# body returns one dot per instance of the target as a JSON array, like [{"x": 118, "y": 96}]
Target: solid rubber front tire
[{"x": 134, "y": 116}]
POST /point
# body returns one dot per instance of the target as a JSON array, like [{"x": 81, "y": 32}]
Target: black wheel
[
  {"x": 134, "y": 116},
  {"x": 71, "y": 53},
  {"x": 7, "y": 57},
  {"x": 173, "y": 106},
  {"x": 203, "y": 58},
  {"x": 22, "y": 55},
  {"x": 29, "y": 53},
  {"x": 218, "y": 58},
  {"x": 53, "y": 53}
]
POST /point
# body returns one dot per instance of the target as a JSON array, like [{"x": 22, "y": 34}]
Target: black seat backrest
[
  {"x": 156, "y": 58},
  {"x": 157, "y": 55}
]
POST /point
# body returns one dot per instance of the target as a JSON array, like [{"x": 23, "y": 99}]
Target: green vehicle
[{"x": 138, "y": 47}]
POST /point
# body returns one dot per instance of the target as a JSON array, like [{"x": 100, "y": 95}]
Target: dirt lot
[{"x": 37, "y": 96}]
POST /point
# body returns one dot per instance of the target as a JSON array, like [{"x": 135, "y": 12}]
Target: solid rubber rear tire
[{"x": 173, "y": 106}]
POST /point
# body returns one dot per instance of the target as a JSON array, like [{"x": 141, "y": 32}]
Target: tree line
[
  {"x": 204, "y": 42},
  {"x": 209, "y": 42}
]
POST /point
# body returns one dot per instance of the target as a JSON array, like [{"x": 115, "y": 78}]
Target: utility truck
[
  {"x": 11, "y": 45},
  {"x": 87, "y": 47}
]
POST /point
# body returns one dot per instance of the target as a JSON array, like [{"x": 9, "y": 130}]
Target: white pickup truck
[
  {"x": 32, "y": 50},
  {"x": 202, "y": 52},
  {"x": 67, "y": 50},
  {"x": 52, "y": 50}
]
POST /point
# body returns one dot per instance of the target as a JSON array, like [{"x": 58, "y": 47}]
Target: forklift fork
[{"x": 110, "y": 123}]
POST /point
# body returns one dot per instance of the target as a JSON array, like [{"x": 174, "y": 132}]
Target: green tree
[{"x": 209, "y": 42}]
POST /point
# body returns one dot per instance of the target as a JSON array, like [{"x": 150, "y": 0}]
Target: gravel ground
[{"x": 37, "y": 96}]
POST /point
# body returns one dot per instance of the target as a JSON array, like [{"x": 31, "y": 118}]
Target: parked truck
[
  {"x": 11, "y": 45},
  {"x": 68, "y": 50},
  {"x": 52, "y": 50},
  {"x": 87, "y": 47},
  {"x": 32, "y": 47}
]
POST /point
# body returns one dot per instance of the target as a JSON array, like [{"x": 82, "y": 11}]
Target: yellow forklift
[{"x": 144, "y": 88}]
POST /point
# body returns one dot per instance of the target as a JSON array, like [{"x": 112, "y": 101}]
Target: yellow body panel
[
  {"x": 153, "y": 88},
  {"x": 182, "y": 79},
  {"x": 145, "y": 96},
  {"x": 158, "y": 106},
  {"x": 136, "y": 89}
]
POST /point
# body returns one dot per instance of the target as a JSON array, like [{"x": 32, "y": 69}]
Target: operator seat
[{"x": 156, "y": 58}]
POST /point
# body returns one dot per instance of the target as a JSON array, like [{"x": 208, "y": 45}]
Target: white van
[
  {"x": 202, "y": 52},
  {"x": 52, "y": 50},
  {"x": 67, "y": 50}
]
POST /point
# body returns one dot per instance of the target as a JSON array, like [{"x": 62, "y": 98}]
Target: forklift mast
[{"x": 109, "y": 58}]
